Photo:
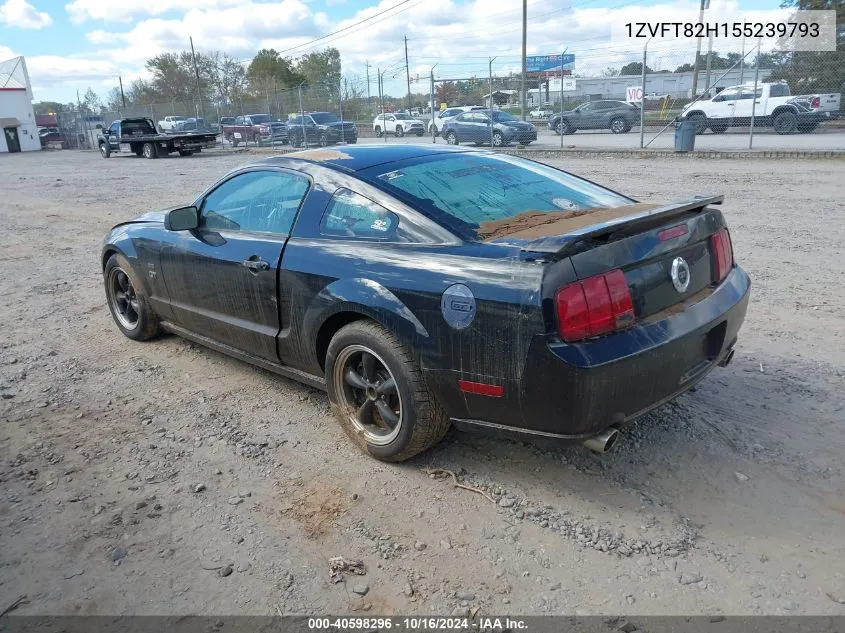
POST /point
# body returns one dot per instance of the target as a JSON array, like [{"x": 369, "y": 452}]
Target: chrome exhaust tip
[
  {"x": 604, "y": 441},
  {"x": 727, "y": 359}
]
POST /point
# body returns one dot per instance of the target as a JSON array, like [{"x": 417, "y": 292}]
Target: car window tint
[
  {"x": 776, "y": 90},
  {"x": 471, "y": 193},
  {"x": 352, "y": 215},
  {"x": 263, "y": 201},
  {"x": 732, "y": 94}
]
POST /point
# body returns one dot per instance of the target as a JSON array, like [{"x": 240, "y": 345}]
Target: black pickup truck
[{"x": 139, "y": 136}]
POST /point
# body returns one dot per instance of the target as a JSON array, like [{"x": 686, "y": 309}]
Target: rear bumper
[{"x": 573, "y": 391}]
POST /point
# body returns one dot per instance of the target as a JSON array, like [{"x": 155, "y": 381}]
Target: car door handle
[{"x": 256, "y": 264}]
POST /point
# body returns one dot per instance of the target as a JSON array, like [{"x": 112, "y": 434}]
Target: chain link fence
[{"x": 659, "y": 90}]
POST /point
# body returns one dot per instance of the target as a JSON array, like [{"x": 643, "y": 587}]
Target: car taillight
[
  {"x": 594, "y": 306},
  {"x": 816, "y": 102},
  {"x": 723, "y": 256}
]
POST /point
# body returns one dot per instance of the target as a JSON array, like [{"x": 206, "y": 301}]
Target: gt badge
[
  {"x": 680, "y": 274},
  {"x": 458, "y": 306}
]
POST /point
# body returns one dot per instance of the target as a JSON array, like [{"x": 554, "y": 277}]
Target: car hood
[
  {"x": 518, "y": 125},
  {"x": 337, "y": 124}
]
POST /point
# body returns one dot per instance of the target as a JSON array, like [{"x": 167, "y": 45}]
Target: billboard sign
[
  {"x": 634, "y": 94},
  {"x": 550, "y": 63}
]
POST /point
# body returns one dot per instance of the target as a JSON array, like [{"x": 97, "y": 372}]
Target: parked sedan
[
  {"x": 425, "y": 285},
  {"x": 474, "y": 127},
  {"x": 617, "y": 116}
]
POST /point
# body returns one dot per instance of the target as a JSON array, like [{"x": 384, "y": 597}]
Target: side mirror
[{"x": 182, "y": 219}]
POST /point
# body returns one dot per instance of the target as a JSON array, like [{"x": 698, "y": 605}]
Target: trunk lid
[{"x": 642, "y": 240}]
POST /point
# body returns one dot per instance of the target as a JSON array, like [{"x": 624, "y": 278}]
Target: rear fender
[{"x": 369, "y": 299}]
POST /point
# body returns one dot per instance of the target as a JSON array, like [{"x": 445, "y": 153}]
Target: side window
[
  {"x": 587, "y": 107},
  {"x": 352, "y": 215},
  {"x": 390, "y": 117},
  {"x": 114, "y": 129},
  {"x": 263, "y": 201},
  {"x": 732, "y": 94}
]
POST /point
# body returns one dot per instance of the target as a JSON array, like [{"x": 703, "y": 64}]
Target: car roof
[{"x": 358, "y": 157}]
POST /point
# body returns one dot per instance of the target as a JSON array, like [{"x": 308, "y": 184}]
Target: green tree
[
  {"x": 270, "y": 71},
  {"x": 49, "y": 107},
  {"x": 91, "y": 102},
  {"x": 634, "y": 68},
  {"x": 809, "y": 72},
  {"x": 320, "y": 68}
]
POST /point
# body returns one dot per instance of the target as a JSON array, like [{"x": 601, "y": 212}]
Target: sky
[{"x": 71, "y": 45}]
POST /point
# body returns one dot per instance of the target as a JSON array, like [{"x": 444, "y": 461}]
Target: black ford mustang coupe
[{"x": 424, "y": 285}]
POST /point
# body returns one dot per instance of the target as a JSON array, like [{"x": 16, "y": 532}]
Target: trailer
[{"x": 139, "y": 137}]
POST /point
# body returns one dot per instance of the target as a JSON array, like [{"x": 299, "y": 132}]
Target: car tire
[
  {"x": 362, "y": 360},
  {"x": 399, "y": 131},
  {"x": 378, "y": 131},
  {"x": 451, "y": 138},
  {"x": 128, "y": 305},
  {"x": 324, "y": 140},
  {"x": 619, "y": 126},
  {"x": 149, "y": 150},
  {"x": 105, "y": 150},
  {"x": 498, "y": 140},
  {"x": 564, "y": 127},
  {"x": 700, "y": 121},
  {"x": 785, "y": 123}
]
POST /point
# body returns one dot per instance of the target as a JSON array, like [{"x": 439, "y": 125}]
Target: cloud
[
  {"x": 458, "y": 35},
  {"x": 80, "y": 11},
  {"x": 21, "y": 14}
]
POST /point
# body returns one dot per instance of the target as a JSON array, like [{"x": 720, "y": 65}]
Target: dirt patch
[
  {"x": 316, "y": 507},
  {"x": 533, "y": 224},
  {"x": 321, "y": 154}
]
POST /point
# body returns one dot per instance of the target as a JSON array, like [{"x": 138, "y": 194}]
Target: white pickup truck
[
  {"x": 168, "y": 123},
  {"x": 772, "y": 106}
]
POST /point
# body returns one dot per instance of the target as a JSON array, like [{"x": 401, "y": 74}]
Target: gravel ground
[{"x": 163, "y": 478}]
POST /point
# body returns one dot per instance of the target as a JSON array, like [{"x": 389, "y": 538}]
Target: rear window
[
  {"x": 779, "y": 90},
  {"x": 473, "y": 194}
]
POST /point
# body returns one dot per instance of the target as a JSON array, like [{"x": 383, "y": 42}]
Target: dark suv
[
  {"x": 321, "y": 128},
  {"x": 617, "y": 116}
]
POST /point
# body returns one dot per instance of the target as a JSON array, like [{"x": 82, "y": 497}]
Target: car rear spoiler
[{"x": 574, "y": 240}]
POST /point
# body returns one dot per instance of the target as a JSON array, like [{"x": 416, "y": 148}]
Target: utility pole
[
  {"x": 524, "y": 49},
  {"x": 196, "y": 72},
  {"x": 407, "y": 73},
  {"x": 742, "y": 63},
  {"x": 122, "y": 96},
  {"x": 490, "y": 76},
  {"x": 709, "y": 61},
  {"x": 431, "y": 104},
  {"x": 369, "y": 101},
  {"x": 704, "y": 4}
]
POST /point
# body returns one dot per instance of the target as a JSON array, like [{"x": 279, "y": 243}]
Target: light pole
[
  {"x": 490, "y": 74},
  {"x": 642, "y": 97},
  {"x": 431, "y": 105}
]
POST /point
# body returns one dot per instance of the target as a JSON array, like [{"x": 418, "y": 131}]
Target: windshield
[
  {"x": 503, "y": 116},
  {"x": 324, "y": 117},
  {"x": 474, "y": 194},
  {"x": 260, "y": 118},
  {"x": 402, "y": 117}
]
